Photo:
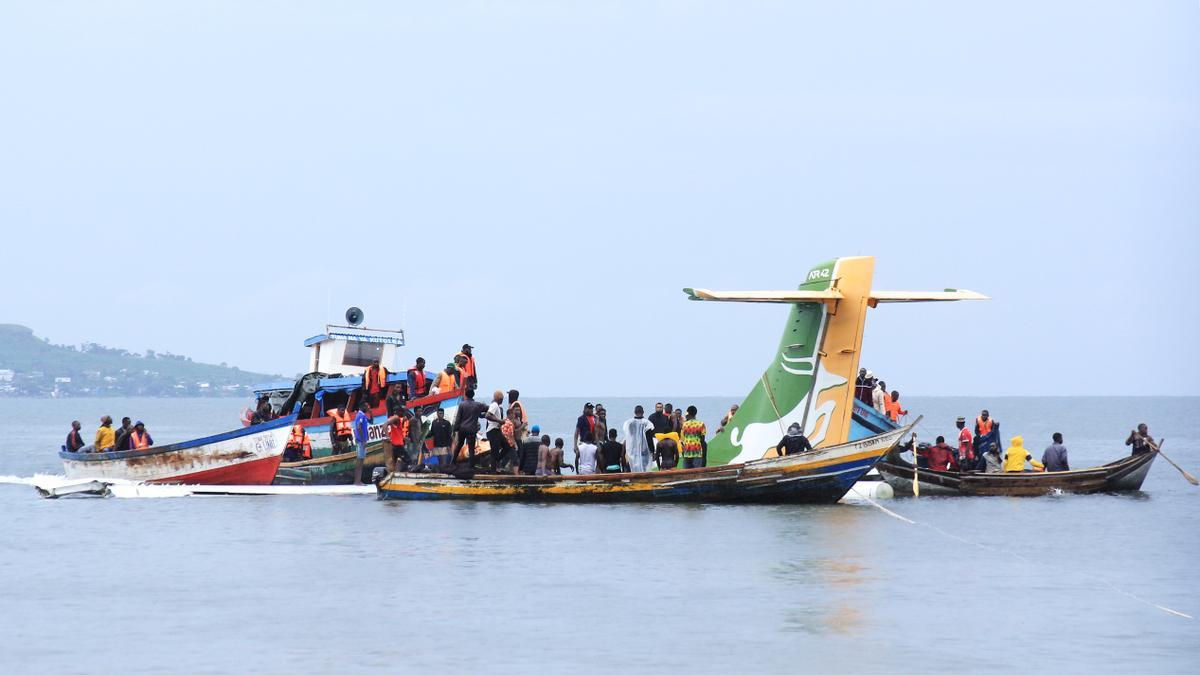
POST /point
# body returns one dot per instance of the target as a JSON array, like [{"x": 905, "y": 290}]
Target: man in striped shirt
[{"x": 692, "y": 441}]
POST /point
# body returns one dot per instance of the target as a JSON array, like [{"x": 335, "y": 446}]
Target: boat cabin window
[{"x": 362, "y": 353}]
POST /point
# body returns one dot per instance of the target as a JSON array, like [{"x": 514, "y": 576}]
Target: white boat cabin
[{"x": 348, "y": 350}]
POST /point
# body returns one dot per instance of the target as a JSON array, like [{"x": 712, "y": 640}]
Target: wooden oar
[
  {"x": 1190, "y": 478},
  {"x": 916, "y": 463}
]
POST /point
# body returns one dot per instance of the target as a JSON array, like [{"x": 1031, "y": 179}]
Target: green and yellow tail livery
[{"x": 810, "y": 380}]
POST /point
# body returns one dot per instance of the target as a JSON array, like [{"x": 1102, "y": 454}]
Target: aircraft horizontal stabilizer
[
  {"x": 788, "y": 297},
  {"x": 948, "y": 295}
]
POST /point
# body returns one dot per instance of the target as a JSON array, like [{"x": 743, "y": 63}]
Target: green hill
[{"x": 31, "y": 366}]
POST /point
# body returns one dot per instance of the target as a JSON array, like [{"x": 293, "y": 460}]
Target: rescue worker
[
  {"x": 939, "y": 456},
  {"x": 418, "y": 381},
  {"x": 374, "y": 383},
  {"x": 397, "y": 439},
  {"x": 139, "y": 438},
  {"x": 794, "y": 442},
  {"x": 467, "y": 367},
  {"x": 298, "y": 446},
  {"x": 447, "y": 380},
  {"x": 892, "y": 407},
  {"x": 1017, "y": 455},
  {"x": 341, "y": 431},
  {"x": 987, "y": 432},
  {"x": 362, "y": 427},
  {"x": 74, "y": 439},
  {"x": 966, "y": 451}
]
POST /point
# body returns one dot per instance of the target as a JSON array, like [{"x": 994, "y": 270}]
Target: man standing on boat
[
  {"x": 691, "y": 440},
  {"x": 362, "y": 425},
  {"x": 1141, "y": 440},
  {"x": 374, "y": 383},
  {"x": 447, "y": 380},
  {"x": 660, "y": 422},
  {"x": 496, "y": 440},
  {"x": 516, "y": 415},
  {"x": 467, "y": 426},
  {"x": 966, "y": 451},
  {"x": 879, "y": 397},
  {"x": 418, "y": 381},
  {"x": 638, "y": 431},
  {"x": 443, "y": 437},
  {"x": 467, "y": 366},
  {"x": 585, "y": 441}
]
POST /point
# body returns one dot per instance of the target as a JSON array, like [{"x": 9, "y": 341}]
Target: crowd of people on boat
[
  {"x": 873, "y": 393},
  {"x": 979, "y": 450},
  {"x": 129, "y": 436}
]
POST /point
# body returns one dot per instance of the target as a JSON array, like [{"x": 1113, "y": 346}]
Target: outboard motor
[{"x": 378, "y": 474}]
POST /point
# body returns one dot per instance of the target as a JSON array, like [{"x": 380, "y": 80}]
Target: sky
[{"x": 540, "y": 179}]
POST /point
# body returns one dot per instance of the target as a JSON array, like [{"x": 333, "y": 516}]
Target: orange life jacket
[
  {"x": 397, "y": 432},
  {"x": 468, "y": 368},
  {"x": 892, "y": 408},
  {"x": 375, "y": 378},
  {"x": 138, "y": 441},
  {"x": 446, "y": 382},
  {"x": 299, "y": 439},
  {"x": 344, "y": 423},
  {"x": 985, "y": 427}
]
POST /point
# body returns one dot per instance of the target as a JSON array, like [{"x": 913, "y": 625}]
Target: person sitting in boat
[
  {"x": 447, "y": 380},
  {"x": 106, "y": 438},
  {"x": 990, "y": 457},
  {"x": 1017, "y": 455},
  {"x": 793, "y": 442},
  {"x": 341, "y": 431},
  {"x": 1141, "y": 440},
  {"x": 939, "y": 456},
  {"x": 298, "y": 446},
  {"x": 418, "y": 380},
  {"x": 891, "y": 407},
  {"x": 263, "y": 412},
  {"x": 374, "y": 383},
  {"x": 74, "y": 439},
  {"x": 727, "y": 418},
  {"x": 611, "y": 455},
  {"x": 139, "y": 438},
  {"x": 121, "y": 441},
  {"x": 1055, "y": 455}
]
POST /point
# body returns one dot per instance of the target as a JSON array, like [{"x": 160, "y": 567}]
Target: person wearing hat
[
  {"x": 966, "y": 451},
  {"x": 467, "y": 367},
  {"x": 529, "y": 452},
  {"x": 139, "y": 438},
  {"x": 585, "y": 441},
  {"x": 793, "y": 442},
  {"x": 447, "y": 380}
]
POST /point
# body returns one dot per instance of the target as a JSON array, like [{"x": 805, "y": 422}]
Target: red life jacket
[
  {"x": 965, "y": 449},
  {"x": 418, "y": 378}
]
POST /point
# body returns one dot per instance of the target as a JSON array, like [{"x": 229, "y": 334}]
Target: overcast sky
[{"x": 541, "y": 179}]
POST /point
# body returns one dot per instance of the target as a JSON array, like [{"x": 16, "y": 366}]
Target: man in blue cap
[{"x": 527, "y": 454}]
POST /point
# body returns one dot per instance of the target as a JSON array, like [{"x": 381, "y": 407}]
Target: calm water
[{"x": 350, "y": 583}]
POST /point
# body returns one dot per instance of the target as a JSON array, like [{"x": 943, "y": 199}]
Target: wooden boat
[
  {"x": 327, "y": 468},
  {"x": 809, "y": 384},
  {"x": 1122, "y": 475},
  {"x": 248, "y": 456},
  {"x": 820, "y": 476}
]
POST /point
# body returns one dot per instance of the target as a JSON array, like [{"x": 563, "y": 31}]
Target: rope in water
[{"x": 1018, "y": 556}]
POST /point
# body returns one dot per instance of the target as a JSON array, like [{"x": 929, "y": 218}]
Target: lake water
[{"x": 342, "y": 584}]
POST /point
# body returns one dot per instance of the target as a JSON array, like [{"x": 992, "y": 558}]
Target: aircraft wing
[
  {"x": 948, "y": 295},
  {"x": 762, "y": 296}
]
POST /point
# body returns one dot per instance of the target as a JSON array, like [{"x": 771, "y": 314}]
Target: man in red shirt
[
  {"x": 940, "y": 456},
  {"x": 966, "y": 452}
]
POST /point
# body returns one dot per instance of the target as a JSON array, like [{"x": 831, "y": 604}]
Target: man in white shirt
[
  {"x": 879, "y": 396},
  {"x": 637, "y": 447},
  {"x": 496, "y": 441}
]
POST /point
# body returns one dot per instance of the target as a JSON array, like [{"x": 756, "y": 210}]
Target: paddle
[
  {"x": 1190, "y": 478},
  {"x": 916, "y": 462}
]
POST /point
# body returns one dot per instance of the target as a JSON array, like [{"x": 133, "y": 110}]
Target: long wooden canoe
[
  {"x": 1123, "y": 475},
  {"x": 818, "y": 476}
]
